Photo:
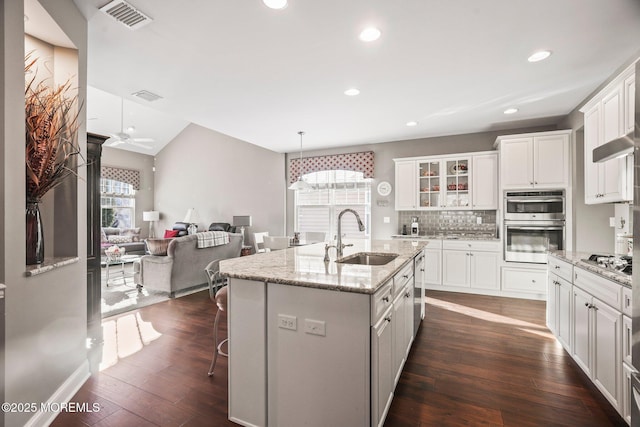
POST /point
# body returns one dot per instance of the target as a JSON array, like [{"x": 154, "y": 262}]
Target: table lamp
[
  {"x": 242, "y": 222},
  {"x": 151, "y": 217}
]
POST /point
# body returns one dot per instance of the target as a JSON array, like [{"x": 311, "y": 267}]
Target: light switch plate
[{"x": 386, "y": 220}]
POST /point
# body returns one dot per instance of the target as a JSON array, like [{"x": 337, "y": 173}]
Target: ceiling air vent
[
  {"x": 126, "y": 14},
  {"x": 146, "y": 95}
]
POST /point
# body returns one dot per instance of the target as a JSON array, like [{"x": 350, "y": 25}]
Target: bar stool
[{"x": 217, "y": 294}]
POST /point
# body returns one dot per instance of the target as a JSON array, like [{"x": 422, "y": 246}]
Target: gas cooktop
[{"x": 619, "y": 263}]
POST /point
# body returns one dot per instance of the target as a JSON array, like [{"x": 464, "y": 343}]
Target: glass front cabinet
[
  {"x": 444, "y": 183},
  {"x": 467, "y": 181}
]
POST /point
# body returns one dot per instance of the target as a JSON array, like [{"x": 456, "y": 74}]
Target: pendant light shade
[{"x": 300, "y": 184}]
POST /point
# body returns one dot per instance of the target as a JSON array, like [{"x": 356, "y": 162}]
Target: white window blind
[{"x": 317, "y": 209}]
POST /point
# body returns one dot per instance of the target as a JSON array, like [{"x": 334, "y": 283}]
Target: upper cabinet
[
  {"x": 467, "y": 181},
  {"x": 539, "y": 160},
  {"x": 607, "y": 116}
]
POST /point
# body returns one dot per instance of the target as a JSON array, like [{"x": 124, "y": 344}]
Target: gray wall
[
  {"x": 46, "y": 321},
  {"x": 221, "y": 177},
  {"x": 384, "y": 169},
  {"x": 144, "y": 164}
]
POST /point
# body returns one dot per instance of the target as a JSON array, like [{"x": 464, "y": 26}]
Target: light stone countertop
[
  {"x": 576, "y": 258},
  {"x": 304, "y": 266}
]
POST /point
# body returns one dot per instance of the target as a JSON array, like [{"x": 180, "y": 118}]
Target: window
[
  {"x": 332, "y": 191},
  {"x": 117, "y": 204}
]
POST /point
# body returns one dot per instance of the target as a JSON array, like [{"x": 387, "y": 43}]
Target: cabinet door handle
[
  {"x": 385, "y": 299},
  {"x": 406, "y": 276},
  {"x": 407, "y": 295},
  {"x": 556, "y": 267},
  {"x": 422, "y": 269},
  {"x": 535, "y": 182},
  {"x": 533, "y": 280},
  {"x": 586, "y": 304},
  {"x": 388, "y": 319}
]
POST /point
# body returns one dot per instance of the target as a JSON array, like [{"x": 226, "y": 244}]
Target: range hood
[{"x": 618, "y": 147}]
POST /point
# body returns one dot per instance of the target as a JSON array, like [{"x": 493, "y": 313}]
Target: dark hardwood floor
[{"x": 477, "y": 360}]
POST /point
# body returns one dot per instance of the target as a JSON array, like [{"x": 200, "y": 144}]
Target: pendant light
[{"x": 300, "y": 184}]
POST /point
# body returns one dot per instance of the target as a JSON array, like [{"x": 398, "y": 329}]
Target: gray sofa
[{"x": 182, "y": 269}]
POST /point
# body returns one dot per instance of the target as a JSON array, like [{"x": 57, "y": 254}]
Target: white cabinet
[
  {"x": 607, "y": 116},
  {"x": 529, "y": 280},
  {"x": 559, "y": 295},
  {"x": 597, "y": 328},
  {"x": 484, "y": 182},
  {"x": 449, "y": 182},
  {"x": 471, "y": 264},
  {"x": 381, "y": 367},
  {"x": 433, "y": 263},
  {"x": 538, "y": 160},
  {"x": 627, "y": 393},
  {"x": 406, "y": 183}
]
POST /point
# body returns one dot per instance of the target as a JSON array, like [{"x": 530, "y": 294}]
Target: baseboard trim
[{"x": 63, "y": 394}]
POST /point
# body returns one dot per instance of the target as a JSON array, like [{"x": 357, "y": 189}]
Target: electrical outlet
[
  {"x": 386, "y": 220},
  {"x": 479, "y": 220},
  {"x": 612, "y": 221},
  {"x": 315, "y": 327},
  {"x": 287, "y": 322}
]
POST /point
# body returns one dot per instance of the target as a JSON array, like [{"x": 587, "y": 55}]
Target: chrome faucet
[{"x": 339, "y": 245}]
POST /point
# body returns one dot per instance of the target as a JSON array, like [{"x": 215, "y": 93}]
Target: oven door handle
[
  {"x": 553, "y": 199},
  {"x": 542, "y": 227}
]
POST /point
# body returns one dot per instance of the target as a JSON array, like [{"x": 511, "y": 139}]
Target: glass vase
[{"x": 35, "y": 234}]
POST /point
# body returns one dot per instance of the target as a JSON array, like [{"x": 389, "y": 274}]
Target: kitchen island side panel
[
  {"x": 318, "y": 380},
  {"x": 247, "y": 352}
]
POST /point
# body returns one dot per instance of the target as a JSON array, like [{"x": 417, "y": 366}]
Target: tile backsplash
[{"x": 446, "y": 222}]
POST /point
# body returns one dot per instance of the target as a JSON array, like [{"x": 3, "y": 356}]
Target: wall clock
[{"x": 384, "y": 188}]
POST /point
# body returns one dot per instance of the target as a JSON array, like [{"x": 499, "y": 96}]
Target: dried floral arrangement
[{"x": 51, "y": 126}]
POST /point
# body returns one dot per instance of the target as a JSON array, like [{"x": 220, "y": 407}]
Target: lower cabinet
[
  {"x": 433, "y": 263},
  {"x": 524, "y": 280},
  {"x": 559, "y": 295},
  {"x": 381, "y": 367},
  {"x": 585, "y": 314},
  {"x": 471, "y": 264}
]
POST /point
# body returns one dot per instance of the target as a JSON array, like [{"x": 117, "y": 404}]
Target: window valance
[
  {"x": 360, "y": 162},
  {"x": 130, "y": 176}
]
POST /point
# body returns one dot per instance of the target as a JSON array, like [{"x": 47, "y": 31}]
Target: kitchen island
[{"x": 318, "y": 343}]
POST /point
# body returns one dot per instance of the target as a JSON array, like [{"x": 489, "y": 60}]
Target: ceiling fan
[{"x": 124, "y": 138}]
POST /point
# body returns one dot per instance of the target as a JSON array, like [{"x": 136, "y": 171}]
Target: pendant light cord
[{"x": 300, "y": 172}]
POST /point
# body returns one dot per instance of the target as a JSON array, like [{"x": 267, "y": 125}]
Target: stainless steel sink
[{"x": 368, "y": 258}]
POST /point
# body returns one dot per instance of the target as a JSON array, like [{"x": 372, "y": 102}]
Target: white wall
[
  {"x": 46, "y": 320},
  {"x": 221, "y": 177},
  {"x": 143, "y": 163}
]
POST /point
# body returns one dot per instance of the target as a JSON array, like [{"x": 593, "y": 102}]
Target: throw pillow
[
  {"x": 103, "y": 236},
  {"x": 157, "y": 246},
  {"x": 171, "y": 233},
  {"x": 133, "y": 232},
  {"x": 120, "y": 239}
]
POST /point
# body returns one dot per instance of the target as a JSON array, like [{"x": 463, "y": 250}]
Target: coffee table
[{"x": 108, "y": 263}]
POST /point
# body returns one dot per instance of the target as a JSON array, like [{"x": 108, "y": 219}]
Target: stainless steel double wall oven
[{"x": 534, "y": 222}]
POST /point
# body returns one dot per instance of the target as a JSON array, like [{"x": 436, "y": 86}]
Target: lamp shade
[
  {"x": 151, "y": 216},
  {"x": 242, "y": 221},
  {"x": 192, "y": 216}
]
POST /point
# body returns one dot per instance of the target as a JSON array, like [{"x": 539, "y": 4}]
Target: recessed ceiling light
[
  {"x": 511, "y": 111},
  {"x": 539, "y": 56},
  {"x": 370, "y": 34},
  {"x": 275, "y": 4},
  {"x": 352, "y": 92},
  {"x": 412, "y": 123}
]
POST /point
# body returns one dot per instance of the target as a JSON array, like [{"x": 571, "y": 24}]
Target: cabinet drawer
[
  {"x": 560, "y": 268},
  {"x": 605, "y": 290},
  {"x": 472, "y": 245},
  {"x": 402, "y": 278},
  {"x": 524, "y": 280},
  {"x": 381, "y": 301},
  {"x": 627, "y": 303}
]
